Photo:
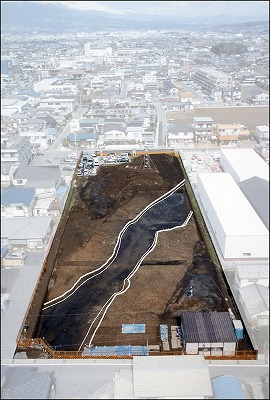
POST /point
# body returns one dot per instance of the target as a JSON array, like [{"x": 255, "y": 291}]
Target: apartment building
[
  {"x": 203, "y": 128},
  {"x": 210, "y": 80}
]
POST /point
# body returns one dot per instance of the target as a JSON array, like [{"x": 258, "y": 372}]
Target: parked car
[
  {"x": 16, "y": 255},
  {"x": 123, "y": 159},
  {"x": 111, "y": 155},
  {"x": 110, "y": 160},
  {"x": 69, "y": 167}
]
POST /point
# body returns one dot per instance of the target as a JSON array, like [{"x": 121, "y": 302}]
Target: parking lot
[{"x": 198, "y": 161}]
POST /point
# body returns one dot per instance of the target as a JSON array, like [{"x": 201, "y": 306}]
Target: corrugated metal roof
[
  {"x": 207, "y": 327},
  {"x": 123, "y": 385},
  {"x": 36, "y": 387},
  {"x": 227, "y": 387},
  {"x": 255, "y": 297},
  {"x": 255, "y": 271},
  {"x": 171, "y": 376}
]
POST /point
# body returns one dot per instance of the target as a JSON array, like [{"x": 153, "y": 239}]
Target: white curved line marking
[
  {"x": 69, "y": 292},
  {"x": 127, "y": 279}
]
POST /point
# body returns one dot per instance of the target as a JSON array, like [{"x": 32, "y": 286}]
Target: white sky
[{"x": 171, "y": 8}]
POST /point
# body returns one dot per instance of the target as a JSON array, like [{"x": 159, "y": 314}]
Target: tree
[
  {"x": 65, "y": 142},
  {"x": 230, "y": 48}
]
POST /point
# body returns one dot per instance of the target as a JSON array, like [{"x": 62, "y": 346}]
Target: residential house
[
  {"x": 36, "y": 131},
  {"x": 186, "y": 99},
  {"x": 174, "y": 106},
  {"x": 28, "y": 233},
  {"x": 96, "y": 85},
  {"x": 96, "y": 123},
  {"x": 248, "y": 274},
  {"x": 170, "y": 88},
  {"x": 134, "y": 131},
  {"x": 233, "y": 93},
  {"x": 203, "y": 128},
  {"x": 10, "y": 106},
  {"x": 114, "y": 133},
  {"x": 179, "y": 135},
  {"x": 85, "y": 137},
  {"x": 45, "y": 180},
  {"x": 262, "y": 133},
  {"x": 255, "y": 302},
  {"x": 258, "y": 98},
  {"x": 216, "y": 94},
  {"x": 55, "y": 86},
  {"x": 227, "y": 133},
  {"x": 46, "y": 207},
  {"x": 17, "y": 202},
  {"x": 15, "y": 150},
  {"x": 208, "y": 333},
  {"x": 186, "y": 64},
  {"x": 101, "y": 98},
  {"x": 66, "y": 104},
  {"x": 236, "y": 93},
  {"x": 262, "y": 149}
]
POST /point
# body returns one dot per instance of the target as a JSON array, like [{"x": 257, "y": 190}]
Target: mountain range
[{"x": 58, "y": 16}]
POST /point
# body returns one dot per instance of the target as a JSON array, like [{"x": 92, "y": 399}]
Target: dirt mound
[{"x": 113, "y": 186}]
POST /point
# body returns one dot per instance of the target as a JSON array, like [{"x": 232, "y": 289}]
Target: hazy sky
[{"x": 257, "y": 9}]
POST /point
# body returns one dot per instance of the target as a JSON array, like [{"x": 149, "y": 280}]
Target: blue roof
[
  {"x": 81, "y": 136},
  {"x": 16, "y": 195},
  {"x": 227, "y": 387}
]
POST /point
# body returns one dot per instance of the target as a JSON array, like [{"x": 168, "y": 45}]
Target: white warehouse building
[
  {"x": 243, "y": 164},
  {"x": 239, "y": 232}
]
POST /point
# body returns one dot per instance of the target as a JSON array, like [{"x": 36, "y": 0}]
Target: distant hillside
[{"x": 29, "y": 16}]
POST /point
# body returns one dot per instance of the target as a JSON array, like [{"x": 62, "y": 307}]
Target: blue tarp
[
  {"x": 227, "y": 387},
  {"x": 133, "y": 328},
  {"x": 117, "y": 351}
]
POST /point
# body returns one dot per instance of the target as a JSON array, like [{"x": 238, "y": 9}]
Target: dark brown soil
[{"x": 158, "y": 292}]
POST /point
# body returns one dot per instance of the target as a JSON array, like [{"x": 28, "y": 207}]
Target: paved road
[
  {"x": 65, "y": 130},
  {"x": 162, "y": 130}
]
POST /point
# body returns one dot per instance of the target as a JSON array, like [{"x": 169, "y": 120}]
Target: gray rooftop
[
  {"x": 21, "y": 228},
  {"x": 255, "y": 297},
  {"x": 256, "y": 191},
  {"x": 37, "y": 175}
]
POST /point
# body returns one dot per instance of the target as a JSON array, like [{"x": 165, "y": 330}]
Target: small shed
[{"x": 208, "y": 333}]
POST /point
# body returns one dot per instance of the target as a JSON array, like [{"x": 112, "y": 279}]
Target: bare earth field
[
  {"x": 158, "y": 292},
  {"x": 247, "y": 116}
]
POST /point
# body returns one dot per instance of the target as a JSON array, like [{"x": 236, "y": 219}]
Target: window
[
  {"x": 247, "y": 254},
  {"x": 19, "y": 207}
]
